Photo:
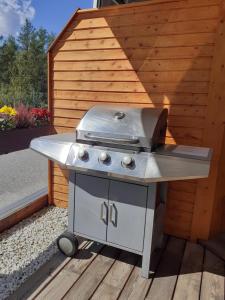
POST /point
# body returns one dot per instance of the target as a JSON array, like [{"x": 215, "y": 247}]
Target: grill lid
[{"x": 123, "y": 127}]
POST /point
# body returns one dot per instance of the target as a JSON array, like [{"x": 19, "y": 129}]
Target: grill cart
[{"x": 119, "y": 168}]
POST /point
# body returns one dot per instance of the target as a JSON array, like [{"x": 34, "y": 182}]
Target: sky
[{"x": 49, "y": 14}]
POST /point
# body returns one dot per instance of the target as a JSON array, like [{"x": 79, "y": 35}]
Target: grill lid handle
[{"x": 131, "y": 140}]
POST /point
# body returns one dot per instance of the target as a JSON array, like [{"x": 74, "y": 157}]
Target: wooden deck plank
[
  {"x": 137, "y": 286},
  {"x": 100, "y": 272},
  {"x": 189, "y": 280},
  {"x": 165, "y": 278},
  {"x": 115, "y": 280},
  {"x": 70, "y": 274},
  {"x": 213, "y": 277},
  {"x": 90, "y": 280}
]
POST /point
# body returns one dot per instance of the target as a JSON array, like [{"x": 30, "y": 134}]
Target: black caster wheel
[{"x": 67, "y": 244}]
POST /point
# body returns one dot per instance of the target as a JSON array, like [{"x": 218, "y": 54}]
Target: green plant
[{"x": 7, "y": 122}]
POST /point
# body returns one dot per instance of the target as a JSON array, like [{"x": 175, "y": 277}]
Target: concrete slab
[{"x": 23, "y": 177}]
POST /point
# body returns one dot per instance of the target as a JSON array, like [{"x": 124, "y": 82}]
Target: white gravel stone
[{"x": 25, "y": 247}]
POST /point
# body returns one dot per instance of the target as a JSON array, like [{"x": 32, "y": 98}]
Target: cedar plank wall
[{"x": 150, "y": 54}]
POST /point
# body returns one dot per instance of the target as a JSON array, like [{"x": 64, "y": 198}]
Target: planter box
[{"x": 19, "y": 139}]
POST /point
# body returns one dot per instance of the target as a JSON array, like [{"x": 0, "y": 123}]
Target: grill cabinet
[{"x": 119, "y": 169}]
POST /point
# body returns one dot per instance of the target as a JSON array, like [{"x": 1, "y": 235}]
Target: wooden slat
[
  {"x": 186, "y": 186},
  {"x": 70, "y": 274},
  {"x": 145, "y": 7},
  {"x": 61, "y": 96},
  {"x": 203, "y": 26},
  {"x": 60, "y": 188},
  {"x": 165, "y": 87},
  {"x": 113, "y": 283},
  {"x": 180, "y": 206},
  {"x": 178, "y": 217},
  {"x": 89, "y": 281},
  {"x": 213, "y": 277},
  {"x": 179, "y": 229},
  {"x": 173, "y": 76},
  {"x": 64, "y": 129},
  {"x": 179, "y": 233},
  {"x": 186, "y": 14},
  {"x": 166, "y": 275},
  {"x": 60, "y": 196},
  {"x": 162, "y": 42},
  {"x": 182, "y": 197},
  {"x": 60, "y": 203},
  {"x": 186, "y": 121},
  {"x": 189, "y": 279},
  {"x": 59, "y": 180},
  {"x": 187, "y": 133},
  {"x": 134, "y": 54},
  {"x": 201, "y": 63},
  {"x": 61, "y": 172}
]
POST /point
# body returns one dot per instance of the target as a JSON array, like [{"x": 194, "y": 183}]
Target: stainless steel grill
[{"x": 119, "y": 168}]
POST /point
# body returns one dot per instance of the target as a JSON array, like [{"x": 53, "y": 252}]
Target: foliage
[
  {"x": 7, "y": 122},
  {"x": 24, "y": 118},
  {"x": 41, "y": 116},
  {"x": 23, "y": 64}
]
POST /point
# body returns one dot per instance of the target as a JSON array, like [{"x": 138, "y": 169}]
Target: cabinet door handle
[
  {"x": 104, "y": 217},
  {"x": 113, "y": 214}
]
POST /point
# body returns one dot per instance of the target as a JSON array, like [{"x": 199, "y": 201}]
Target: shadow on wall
[
  {"x": 150, "y": 58},
  {"x": 154, "y": 55}
]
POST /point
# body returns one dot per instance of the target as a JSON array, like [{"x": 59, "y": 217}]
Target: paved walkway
[{"x": 23, "y": 177}]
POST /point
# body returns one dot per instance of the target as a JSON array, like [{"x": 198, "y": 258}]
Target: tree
[
  {"x": 24, "y": 66},
  {"x": 7, "y": 56}
]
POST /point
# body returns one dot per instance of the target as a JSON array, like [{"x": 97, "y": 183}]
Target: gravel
[{"x": 25, "y": 247}]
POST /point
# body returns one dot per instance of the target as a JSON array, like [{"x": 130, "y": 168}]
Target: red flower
[{"x": 40, "y": 113}]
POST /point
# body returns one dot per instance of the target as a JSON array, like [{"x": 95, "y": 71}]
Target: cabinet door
[
  {"x": 127, "y": 205},
  {"x": 91, "y": 201}
]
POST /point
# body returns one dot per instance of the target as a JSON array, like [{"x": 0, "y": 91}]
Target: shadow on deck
[{"x": 181, "y": 270}]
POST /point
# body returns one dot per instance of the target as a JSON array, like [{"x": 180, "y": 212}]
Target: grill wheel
[{"x": 68, "y": 244}]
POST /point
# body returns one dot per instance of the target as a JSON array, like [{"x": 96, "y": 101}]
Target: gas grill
[{"x": 119, "y": 168}]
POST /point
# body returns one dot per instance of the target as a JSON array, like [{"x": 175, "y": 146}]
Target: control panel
[{"x": 85, "y": 157}]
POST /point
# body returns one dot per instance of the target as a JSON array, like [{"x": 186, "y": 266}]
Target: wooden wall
[{"x": 147, "y": 54}]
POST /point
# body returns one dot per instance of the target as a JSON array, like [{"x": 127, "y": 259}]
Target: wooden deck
[{"x": 182, "y": 270}]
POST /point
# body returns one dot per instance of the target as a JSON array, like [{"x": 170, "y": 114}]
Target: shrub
[
  {"x": 24, "y": 117},
  {"x": 41, "y": 116},
  {"x": 7, "y": 122}
]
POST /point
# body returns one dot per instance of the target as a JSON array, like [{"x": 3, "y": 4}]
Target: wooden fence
[{"x": 149, "y": 54}]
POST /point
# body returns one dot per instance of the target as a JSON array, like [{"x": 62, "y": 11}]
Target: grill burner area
[{"x": 119, "y": 169}]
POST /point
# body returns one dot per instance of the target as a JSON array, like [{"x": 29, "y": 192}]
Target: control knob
[
  {"x": 82, "y": 154},
  {"x": 127, "y": 161},
  {"x": 104, "y": 157}
]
